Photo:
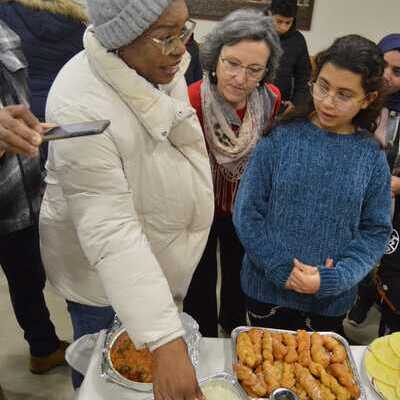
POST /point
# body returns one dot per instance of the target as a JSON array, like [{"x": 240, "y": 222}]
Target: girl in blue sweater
[{"x": 313, "y": 208}]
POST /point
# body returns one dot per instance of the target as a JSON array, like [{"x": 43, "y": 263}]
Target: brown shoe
[
  {"x": 41, "y": 365},
  {"x": 2, "y": 395}
]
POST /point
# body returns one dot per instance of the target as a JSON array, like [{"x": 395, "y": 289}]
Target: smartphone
[{"x": 76, "y": 130}]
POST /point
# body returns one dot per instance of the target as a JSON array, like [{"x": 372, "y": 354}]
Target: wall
[{"x": 333, "y": 18}]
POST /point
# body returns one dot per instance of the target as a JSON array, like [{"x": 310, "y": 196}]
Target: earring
[
  {"x": 213, "y": 73},
  {"x": 258, "y": 84}
]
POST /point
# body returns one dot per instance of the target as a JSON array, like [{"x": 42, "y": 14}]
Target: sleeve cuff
[
  {"x": 281, "y": 274},
  {"x": 166, "y": 339},
  {"x": 329, "y": 281}
]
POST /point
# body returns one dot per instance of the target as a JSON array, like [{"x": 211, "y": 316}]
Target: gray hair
[{"x": 239, "y": 25}]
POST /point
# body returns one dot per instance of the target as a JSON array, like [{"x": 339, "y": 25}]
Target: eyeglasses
[
  {"x": 234, "y": 68},
  {"x": 169, "y": 45},
  {"x": 342, "y": 101}
]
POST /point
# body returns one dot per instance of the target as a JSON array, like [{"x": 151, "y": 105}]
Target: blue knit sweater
[{"x": 312, "y": 194}]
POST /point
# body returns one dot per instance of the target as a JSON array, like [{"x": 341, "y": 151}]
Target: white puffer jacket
[{"x": 126, "y": 214}]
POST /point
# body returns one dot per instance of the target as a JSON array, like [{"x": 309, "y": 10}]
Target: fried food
[
  {"x": 279, "y": 350},
  {"x": 245, "y": 350},
  {"x": 304, "y": 347},
  {"x": 329, "y": 381},
  {"x": 300, "y": 391},
  {"x": 254, "y": 383},
  {"x": 291, "y": 344},
  {"x": 267, "y": 347},
  {"x": 342, "y": 373},
  {"x": 318, "y": 352},
  {"x": 256, "y": 337},
  {"x": 308, "y": 382},
  {"x": 288, "y": 380},
  {"x": 301, "y": 362},
  {"x": 337, "y": 349},
  {"x": 131, "y": 363},
  {"x": 271, "y": 376}
]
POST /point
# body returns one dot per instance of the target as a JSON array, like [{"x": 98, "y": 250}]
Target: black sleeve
[
  {"x": 302, "y": 71},
  {"x": 195, "y": 72}
]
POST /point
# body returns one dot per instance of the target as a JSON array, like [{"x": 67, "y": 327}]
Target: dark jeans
[
  {"x": 201, "y": 299},
  {"x": 87, "y": 320},
  {"x": 276, "y": 317},
  {"x": 22, "y": 265}
]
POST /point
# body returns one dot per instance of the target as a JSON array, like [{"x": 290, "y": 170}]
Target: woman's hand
[
  {"x": 395, "y": 184},
  {"x": 174, "y": 375},
  {"x": 20, "y": 131},
  {"x": 305, "y": 278}
]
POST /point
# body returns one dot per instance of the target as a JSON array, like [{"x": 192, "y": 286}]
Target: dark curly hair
[{"x": 362, "y": 57}]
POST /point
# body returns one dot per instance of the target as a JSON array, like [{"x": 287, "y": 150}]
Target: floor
[
  {"x": 19, "y": 384},
  {"x": 16, "y": 380}
]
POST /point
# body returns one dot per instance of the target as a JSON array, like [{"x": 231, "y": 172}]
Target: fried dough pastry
[
  {"x": 279, "y": 350},
  {"x": 303, "y": 348},
  {"x": 288, "y": 377},
  {"x": 254, "y": 382},
  {"x": 329, "y": 381},
  {"x": 245, "y": 350},
  {"x": 338, "y": 351},
  {"x": 308, "y": 382},
  {"x": 291, "y": 344},
  {"x": 267, "y": 347},
  {"x": 256, "y": 337},
  {"x": 300, "y": 391},
  {"x": 318, "y": 351},
  {"x": 327, "y": 393},
  {"x": 271, "y": 376},
  {"x": 342, "y": 373}
]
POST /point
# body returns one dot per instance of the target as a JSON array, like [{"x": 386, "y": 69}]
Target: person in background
[
  {"x": 313, "y": 207},
  {"x": 294, "y": 72},
  {"x": 387, "y": 280},
  {"x": 51, "y": 34},
  {"x": 194, "y": 72},
  {"x": 20, "y": 193},
  {"x": 126, "y": 214},
  {"x": 236, "y": 105},
  {"x": 20, "y": 131}
]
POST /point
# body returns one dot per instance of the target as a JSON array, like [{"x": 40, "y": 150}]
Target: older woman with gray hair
[
  {"x": 236, "y": 106},
  {"x": 126, "y": 214}
]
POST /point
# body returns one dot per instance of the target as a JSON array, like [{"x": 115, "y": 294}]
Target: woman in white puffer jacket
[{"x": 126, "y": 214}]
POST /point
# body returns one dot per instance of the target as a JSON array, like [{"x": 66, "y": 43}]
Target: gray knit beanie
[{"x": 119, "y": 22}]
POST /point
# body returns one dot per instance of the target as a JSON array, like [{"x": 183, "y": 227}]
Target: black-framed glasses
[
  {"x": 170, "y": 44},
  {"x": 233, "y": 67}
]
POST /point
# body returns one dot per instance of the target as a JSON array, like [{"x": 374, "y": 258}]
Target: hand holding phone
[{"x": 76, "y": 130}]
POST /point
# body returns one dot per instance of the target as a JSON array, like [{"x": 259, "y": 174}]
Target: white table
[{"x": 215, "y": 356}]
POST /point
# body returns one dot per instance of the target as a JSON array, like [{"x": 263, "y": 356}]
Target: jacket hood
[
  {"x": 57, "y": 21},
  {"x": 73, "y": 9}
]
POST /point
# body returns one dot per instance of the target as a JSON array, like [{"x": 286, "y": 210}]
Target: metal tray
[
  {"x": 227, "y": 379},
  {"x": 192, "y": 338},
  {"x": 235, "y": 333}
]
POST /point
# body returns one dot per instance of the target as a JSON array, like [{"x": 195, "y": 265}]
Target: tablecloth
[{"x": 85, "y": 355}]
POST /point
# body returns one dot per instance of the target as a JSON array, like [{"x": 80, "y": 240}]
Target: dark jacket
[
  {"x": 51, "y": 33},
  {"x": 294, "y": 71},
  {"x": 20, "y": 177},
  {"x": 195, "y": 72}
]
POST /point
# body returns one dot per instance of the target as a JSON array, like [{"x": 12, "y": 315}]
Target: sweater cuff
[
  {"x": 329, "y": 281},
  {"x": 280, "y": 275},
  {"x": 166, "y": 339}
]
